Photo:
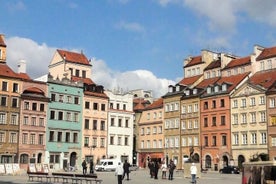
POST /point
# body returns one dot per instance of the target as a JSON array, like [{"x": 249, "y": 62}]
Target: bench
[
  {"x": 38, "y": 175},
  {"x": 76, "y": 178}
]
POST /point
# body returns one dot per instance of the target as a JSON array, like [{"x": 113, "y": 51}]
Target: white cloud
[
  {"x": 38, "y": 58},
  {"x": 130, "y": 26}
]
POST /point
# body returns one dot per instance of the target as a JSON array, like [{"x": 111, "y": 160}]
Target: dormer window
[
  {"x": 177, "y": 88},
  {"x": 224, "y": 87},
  {"x": 170, "y": 89},
  {"x": 194, "y": 91},
  {"x": 208, "y": 90},
  {"x": 216, "y": 89},
  {"x": 187, "y": 92}
]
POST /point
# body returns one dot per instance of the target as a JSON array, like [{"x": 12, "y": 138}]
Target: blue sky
[{"x": 136, "y": 44}]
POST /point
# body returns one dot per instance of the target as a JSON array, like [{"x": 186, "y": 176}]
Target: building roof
[
  {"x": 212, "y": 65},
  {"x": 74, "y": 57},
  {"x": 232, "y": 80},
  {"x": 84, "y": 80},
  {"x": 189, "y": 80},
  {"x": 155, "y": 104},
  {"x": 6, "y": 71},
  {"x": 207, "y": 82},
  {"x": 267, "y": 53},
  {"x": 264, "y": 78},
  {"x": 238, "y": 62},
  {"x": 140, "y": 104},
  {"x": 194, "y": 61},
  {"x": 90, "y": 93}
]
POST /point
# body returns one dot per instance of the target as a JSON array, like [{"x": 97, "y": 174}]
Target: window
[
  {"x": 32, "y": 139},
  {"x": 95, "y": 124},
  {"x": 252, "y": 101},
  {"x": 273, "y": 141},
  {"x": 41, "y": 122},
  {"x": 262, "y": 66},
  {"x": 222, "y": 104},
  {"x": 214, "y": 104},
  {"x": 236, "y": 139},
  {"x": 4, "y": 86},
  {"x": 205, "y": 105},
  {"x": 112, "y": 122},
  {"x": 3, "y": 118},
  {"x": 262, "y": 116},
  {"x": 14, "y": 102},
  {"x": 235, "y": 103},
  {"x": 53, "y": 97},
  {"x": 75, "y": 117},
  {"x": 262, "y": 100},
  {"x": 2, "y": 137},
  {"x": 214, "y": 140},
  {"x": 13, "y": 137},
  {"x": 235, "y": 119},
  {"x": 102, "y": 142},
  {"x": 24, "y": 138},
  {"x": 148, "y": 130},
  {"x": 33, "y": 121},
  {"x": 77, "y": 73},
  {"x": 272, "y": 102},
  {"x": 253, "y": 117},
  {"x": 52, "y": 136},
  {"x": 244, "y": 118},
  {"x": 190, "y": 108},
  {"x": 195, "y": 107},
  {"x": 15, "y": 88},
  {"x": 119, "y": 140},
  {"x": 59, "y": 137},
  {"x": 103, "y": 107},
  {"x": 25, "y": 120},
  {"x": 126, "y": 141},
  {"x": 61, "y": 98},
  {"x": 222, "y": 120},
  {"x": 206, "y": 140},
  {"x": 253, "y": 138},
  {"x": 41, "y": 139},
  {"x": 124, "y": 106},
  {"x": 75, "y": 137},
  {"x": 111, "y": 140},
  {"x": 118, "y": 106},
  {"x": 263, "y": 138},
  {"x": 60, "y": 115},
  {"x": 119, "y": 122},
  {"x": 54, "y": 158},
  {"x": 86, "y": 123},
  {"x": 67, "y": 137},
  {"x": 69, "y": 99},
  {"x": 214, "y": 121},
  {"x": 24, "y": 159},
  {"x": 154, "y": 130},
  {"x": 42, "y": 107},
  {"x": 95, "y": 106},
  {"x": 83, "y": 74},
  {"x": 243, "y": 103},
  {"x": 76, "y": 100},
  {"x": 223, "y": 140},
  {"x": 206, "y": 122},
  {"x": 102, "y": 125},
  {"x": 196, "y": 123},
  {"x": 190, "y": 124},
  {"x": 26, "y": 105},
  {"x": 34, "y": 106},
  {"x": 14, "y": 119},
  {"x": 87, "y": 105},
  {"x": 3, "y": 101},
  {"x": 126, "y": 123},
  {"x": 244, "y": 138}
]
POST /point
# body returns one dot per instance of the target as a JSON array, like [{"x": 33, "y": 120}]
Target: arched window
[
  {"x": 24, "y": 159},
  {"x": 208, "y": 161}
]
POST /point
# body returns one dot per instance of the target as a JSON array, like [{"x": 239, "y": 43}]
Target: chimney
[{"x": 22, "y": 66}]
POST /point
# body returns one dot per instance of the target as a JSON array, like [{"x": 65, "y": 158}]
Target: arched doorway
[
  {"x": 225, "y": 160},
  {"x": 73, "y": 158},
  {"x": 196, "y": 157},
  {"x": 208, "y": 161},
  {"x": 39, "y": 156},
  {"x": 241, "y": 159}
]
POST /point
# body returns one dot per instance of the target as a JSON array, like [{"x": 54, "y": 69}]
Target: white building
[{"x": 120, "y": 125}]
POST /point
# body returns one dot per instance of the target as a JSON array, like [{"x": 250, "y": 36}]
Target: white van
[{"x": 107, "y": 165}]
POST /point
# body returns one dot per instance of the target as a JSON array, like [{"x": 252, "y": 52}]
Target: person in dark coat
[
  {"x": 126, "y": 169},
  {"x": 84, "y": 167},
  {"x": 171, "y": 169},
  {"x": 156, "y": 168},
  {"x": 91, "y": 165},
  {"x": 151, "y": 168}
]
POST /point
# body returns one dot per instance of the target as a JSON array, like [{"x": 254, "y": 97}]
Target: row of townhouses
[{"x": 223, "y": 112}]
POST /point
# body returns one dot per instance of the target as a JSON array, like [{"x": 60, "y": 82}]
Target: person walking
[
  {"x": 84, "y": 167},
  {"x": 193, "y": 171},
  {"x": 119, "y": 171},
  {"x": 151, "y": 168},
  {"x": 91, "y": 166},
  {"x": 156, "y": 168},
  {"x": 126, "y": 169},
  {"x": 164, "y": 170},
  {"x": 171, "y": 169}
]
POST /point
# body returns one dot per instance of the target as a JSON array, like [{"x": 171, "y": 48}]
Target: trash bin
[{"x": 216, "y": 167}]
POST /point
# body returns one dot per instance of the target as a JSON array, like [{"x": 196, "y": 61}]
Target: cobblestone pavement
[{"x": 140, "y": 176}]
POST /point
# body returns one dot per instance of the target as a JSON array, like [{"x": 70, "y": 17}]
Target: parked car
[
  {"x": 230, "y": 170},
  {"x": 133, "y": 167}
]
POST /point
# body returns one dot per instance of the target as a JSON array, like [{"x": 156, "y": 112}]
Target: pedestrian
[
  {"x": 84, "y": 167},
  {"x": 164, "y": 170},
  {"x": 91, "y": 166},
  {"x": 171, "y": 169},
  {"x": 193, "y": 171},
  {"x": 119, "y": 171},
  {"x": 156, "y": 168},
  {"x": 151, "y": 168},
  {"x": 126, "y": 169}
]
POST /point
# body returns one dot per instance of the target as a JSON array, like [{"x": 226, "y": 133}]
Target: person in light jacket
[
  {"x": 193, "y": 171},
  {"x": 119, "y": 172}
]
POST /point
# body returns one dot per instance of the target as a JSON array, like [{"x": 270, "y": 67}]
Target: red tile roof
[
  {"x": 233, "y": 80},
  {"x": 74, "y": 57},
  {"x": 189, "y": 80},
  {"x": 140, "y": 104},
  {"x": 267, "y": 53},
  {"x": 194, "y": 61},
  {"x": 207, "y": 82},
  {"x": 102, "y": 95},
  {"x": 34, "y": 90},
  {"x": 6, "y": 71},
  {"x": 156, "y": 104},
  {"x": 238, "y": 62},
  {"x": 212, "y": 65},
  {"x": 264, "y": 78},
  {"x": 84, "y": 80}
]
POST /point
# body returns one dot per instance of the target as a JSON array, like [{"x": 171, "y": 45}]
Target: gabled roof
[
  {"x": 238, "y": 62},
  {"x": 267, "y": 53},
  {"x": 140, "y": 104},
  {"x": 264, "y": 78},
  {"x": 232, "y": 80},
  {"x": 207, "y": 82},
  {"x": 194, "y": 61},
  {"x": 156, "y": 104},
  {"x": 212, "y": 65},
  {"x": 84, "y": 80},
  {"x": 189, "y": 80},
  {"x": 6, "y": 71},
  {"x": 74, "y": 57}
]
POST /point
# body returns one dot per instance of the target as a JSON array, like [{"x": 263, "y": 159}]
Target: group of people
[
  {"x": 154, "y": 168},
  {"x": 122, "y": 171},
  {"x": 84, "y": 167}
]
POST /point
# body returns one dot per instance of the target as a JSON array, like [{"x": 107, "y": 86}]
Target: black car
[{"x": 230, "y": 170}]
